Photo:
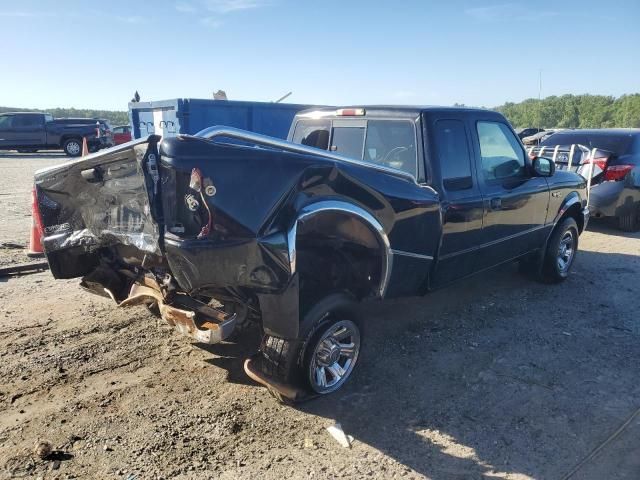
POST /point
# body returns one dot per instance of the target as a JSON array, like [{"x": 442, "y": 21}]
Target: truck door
[
  {"x": 28, "y": 130},
  {"x": 515, "y": 203},
  {"x": 462, "y": 205}
]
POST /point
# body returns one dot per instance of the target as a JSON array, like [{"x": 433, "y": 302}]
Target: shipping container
[{"x": 190, "y": 115}]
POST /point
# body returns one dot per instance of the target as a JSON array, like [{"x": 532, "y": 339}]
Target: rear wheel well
[{"x": 337, "y": 252}]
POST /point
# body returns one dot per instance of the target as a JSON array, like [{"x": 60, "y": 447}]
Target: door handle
[{"x": 496, "y": 203}]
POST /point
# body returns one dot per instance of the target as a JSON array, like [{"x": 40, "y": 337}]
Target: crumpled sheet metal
[{"x": 209, "y": 331}]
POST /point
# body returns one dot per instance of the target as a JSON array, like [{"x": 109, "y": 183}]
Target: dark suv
[{"x": 615, "y": 167}]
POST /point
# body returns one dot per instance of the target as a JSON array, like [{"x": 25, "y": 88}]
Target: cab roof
[
  {"x": 402, "y": 111},
  {"x": 24, "y": 113}
]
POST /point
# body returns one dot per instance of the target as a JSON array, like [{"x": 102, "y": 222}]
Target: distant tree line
[
  {"x": 575, "y": 111},
  {"x": 114, "y": 117},
  {"x": 566, "y": 111}
]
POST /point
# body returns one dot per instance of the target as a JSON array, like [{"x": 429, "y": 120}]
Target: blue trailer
[{"x": 190, "y": 115}]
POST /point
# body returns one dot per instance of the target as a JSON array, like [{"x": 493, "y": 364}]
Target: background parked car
[
  {"x": 33, "y": 131},
  {"x": 615, "y": 190},
  {"x": 537, "y": 138},
  {"x": 527, "y": 132},
  {"x": 121, "y": 134}
]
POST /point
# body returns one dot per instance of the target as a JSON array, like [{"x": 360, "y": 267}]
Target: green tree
[{"x": 575, "y": 111}]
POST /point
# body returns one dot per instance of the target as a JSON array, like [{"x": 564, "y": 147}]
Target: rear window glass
[
  {"x": 618, "y": 144},
  {"x": 564, "y": 139},
  {"x": 348, "y": 141},
  {"x": 390, "y": 143},
  {"x": 313, "y": 133}
]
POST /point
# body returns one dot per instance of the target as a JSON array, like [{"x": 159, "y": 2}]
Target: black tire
[
  {"x": 290, "y": 361},
  {"x": 630, "y": 222},
  {"x": 558, "y": 261},
  {"x": 72, "y": 147}
]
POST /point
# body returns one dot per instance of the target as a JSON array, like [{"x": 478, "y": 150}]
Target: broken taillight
[
  {"x": 617, "y": 172},
  {"x": 600, "y": 162}
]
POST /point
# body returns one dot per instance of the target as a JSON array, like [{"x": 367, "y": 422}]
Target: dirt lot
[{"x": 497, "y": 377}]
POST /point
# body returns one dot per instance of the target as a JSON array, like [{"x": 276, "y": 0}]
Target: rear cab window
[
  {"x": 386, "y": 142},
  {"x": 453, "y": 153},
  {"x": 617, "y": 144}
]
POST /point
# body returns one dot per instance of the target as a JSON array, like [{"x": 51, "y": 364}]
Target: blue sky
[{"x": 96, "y": 54}]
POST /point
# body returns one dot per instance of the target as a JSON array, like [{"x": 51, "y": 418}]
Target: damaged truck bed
[{"x": 228, "y": 227}]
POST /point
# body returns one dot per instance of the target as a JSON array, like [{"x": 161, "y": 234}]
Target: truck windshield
[{"x": 390, "y": 143}]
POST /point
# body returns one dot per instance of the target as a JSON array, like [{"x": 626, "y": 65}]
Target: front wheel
[
  {"x": 561, "y": 251},
  {"x": 325, "y": 357}
]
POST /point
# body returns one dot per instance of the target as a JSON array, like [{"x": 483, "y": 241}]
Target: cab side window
[
  {"x": 27, "y": 121},
  {"x": 502, "y": 155},
  {"x": 6, "y": 122},
  {"x": 453, "y": 153}
]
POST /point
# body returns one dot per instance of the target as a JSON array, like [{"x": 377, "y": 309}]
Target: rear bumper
[{"x": 611, "y": 199}]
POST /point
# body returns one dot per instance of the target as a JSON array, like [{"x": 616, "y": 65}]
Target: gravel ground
[{"x": 495, "y": 377}]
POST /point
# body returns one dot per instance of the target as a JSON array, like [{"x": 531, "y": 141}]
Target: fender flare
[
  {"x": 569, "y": 201},
  {"x": 353, "y": 210}
]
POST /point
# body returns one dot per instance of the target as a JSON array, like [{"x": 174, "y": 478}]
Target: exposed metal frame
[
  {"x": 344, "y": 207},
  {"x": 264, "y": 140}
]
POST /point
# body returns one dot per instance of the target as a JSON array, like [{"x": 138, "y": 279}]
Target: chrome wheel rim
[
  {"x": 73, "y": 148},
  {"x": 566, "y": 251},
  {"x": 334, "y": 356}
]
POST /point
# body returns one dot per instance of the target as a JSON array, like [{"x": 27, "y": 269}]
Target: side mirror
[{"x": 543, "y": 167}]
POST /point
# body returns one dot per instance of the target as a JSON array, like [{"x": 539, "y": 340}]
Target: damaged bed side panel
[
  {"x": 105, "y": 199},
  {"x": 254, "y": 199}
]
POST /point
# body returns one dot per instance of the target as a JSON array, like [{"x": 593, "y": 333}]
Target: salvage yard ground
[{"x": 495, "y": 377}]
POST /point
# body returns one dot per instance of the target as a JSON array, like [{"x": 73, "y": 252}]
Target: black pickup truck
[
  {"x": 31, "y": 131},
  {"x": 227, "y": 227}
]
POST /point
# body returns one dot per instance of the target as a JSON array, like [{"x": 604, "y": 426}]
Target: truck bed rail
[{"x": 266, "y": 141}]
